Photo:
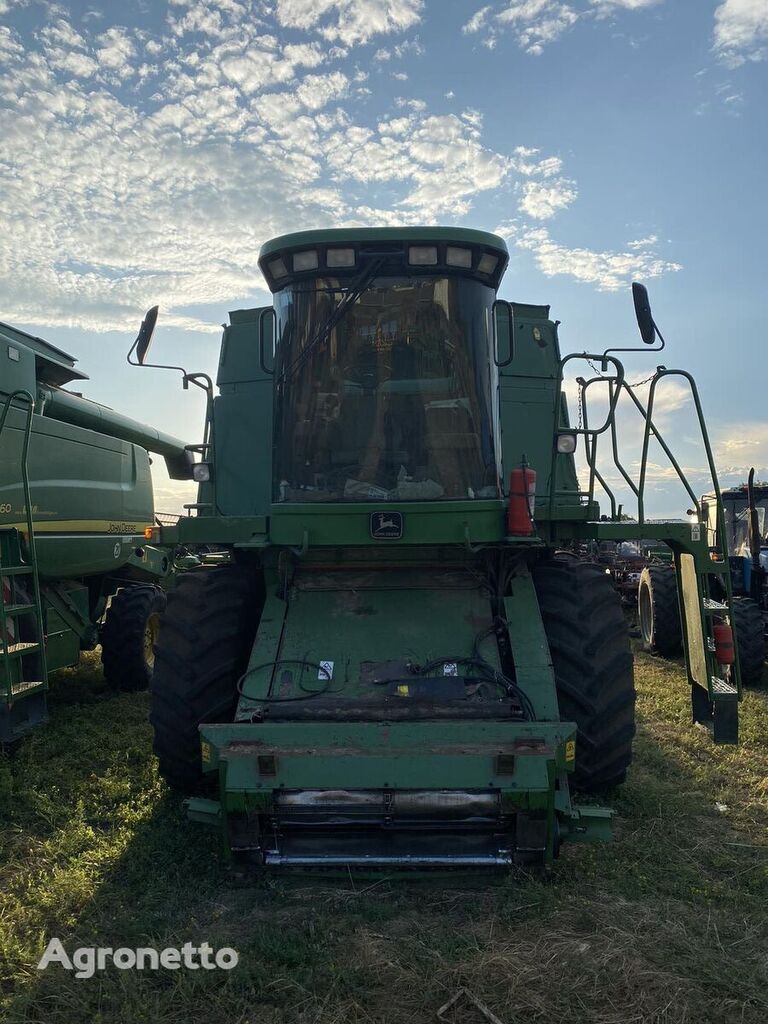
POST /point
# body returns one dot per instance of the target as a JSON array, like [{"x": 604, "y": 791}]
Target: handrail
[
  {"x": 23, "y": 395},
  {"x": 617, "y": 385}
]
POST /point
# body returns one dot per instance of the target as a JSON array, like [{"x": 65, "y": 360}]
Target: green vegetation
[{"x": 668, "y": 924}]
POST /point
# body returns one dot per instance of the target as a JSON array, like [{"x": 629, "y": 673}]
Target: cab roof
[{"x": 393, "y": 244}]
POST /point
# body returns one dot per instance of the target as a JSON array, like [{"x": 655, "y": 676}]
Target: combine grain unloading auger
[{"x": 396, "y": 669}]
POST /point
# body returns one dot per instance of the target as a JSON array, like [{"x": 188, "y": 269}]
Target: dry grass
[{"x": 668, "y": 924}]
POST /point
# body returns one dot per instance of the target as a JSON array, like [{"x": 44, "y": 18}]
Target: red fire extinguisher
[
  {"x": 723, "y": 637},
  {"x": 522, "y": 500}
]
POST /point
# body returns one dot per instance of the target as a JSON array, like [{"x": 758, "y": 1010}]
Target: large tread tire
[
  {"x": 749, "y": 635},
  {"x": 127, "y": 638},
  {"x": 589, "y": 644},
  {"x": 658, "y": 611},
  {"x": 206, "y": 640}
]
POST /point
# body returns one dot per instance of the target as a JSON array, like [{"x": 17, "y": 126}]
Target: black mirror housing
[
  {"x": 144, "y": 338},
  {"x": 643, "y": 313}
]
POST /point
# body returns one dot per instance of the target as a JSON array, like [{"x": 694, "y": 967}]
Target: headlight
[
  {"x": 566, "y": 444},
  {"x": 306, "y": 260}
]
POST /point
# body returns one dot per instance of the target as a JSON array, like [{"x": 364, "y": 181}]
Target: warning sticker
[
  {"x": 695, "y": 531},
  {"x": 450, "y": 668},
  {"x": 325, "y": 671}
]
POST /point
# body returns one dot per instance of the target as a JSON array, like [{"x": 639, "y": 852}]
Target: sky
[{"x": 148, "y": 149}]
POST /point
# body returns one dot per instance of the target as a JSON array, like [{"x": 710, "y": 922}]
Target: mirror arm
[{"x": 645, "y": 348}]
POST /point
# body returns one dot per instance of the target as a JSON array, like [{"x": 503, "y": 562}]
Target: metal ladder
[{"x": 22, "y": 639}]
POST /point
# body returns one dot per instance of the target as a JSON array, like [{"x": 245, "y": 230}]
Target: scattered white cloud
[
  {"x": 537, "y": 23},
  {"x": 741, "y": 31},
  {"x": 116, "y": 49},
  {"x": 478, "y": 20},
  {"x": 644, "y": 243},
  {"x": 609, "y": 6},
  {"x": 543, "y": 200},
  {"x": 608, "y": 271},
  {"x": 350, "y": 21},
  {"x": 140, "y": 168},
  {"x": 738, "y": 447}
]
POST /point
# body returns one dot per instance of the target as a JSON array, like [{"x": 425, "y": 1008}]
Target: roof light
[
  {"x": 487, "y": 263},
  {"x": 456, "y": 257},
  {"x": 566, "y": 444},
  {"x": 306, "y": 260},
  {"x": 277, "y": 268},
  {"x": 422, "y": 255},
  {"x": 340, "y": 258}
]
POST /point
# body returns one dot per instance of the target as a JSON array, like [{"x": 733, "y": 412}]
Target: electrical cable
[{"x": 306, "y": 692}]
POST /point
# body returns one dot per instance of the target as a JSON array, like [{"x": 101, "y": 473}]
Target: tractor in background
[
  {"x": 741, "y": 537},
  {"x": 77, "y": 567},
  {"x": 393, "y": 664}
]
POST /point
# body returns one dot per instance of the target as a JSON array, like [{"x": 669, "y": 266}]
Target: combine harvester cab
[
  {"x": 75, "y": 505},
  {"x": 397, "y": 667}
]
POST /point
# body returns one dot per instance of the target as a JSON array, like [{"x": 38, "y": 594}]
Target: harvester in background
[
  {"x": 75, "y": 509},
  {"x": 393, "y": 665}
]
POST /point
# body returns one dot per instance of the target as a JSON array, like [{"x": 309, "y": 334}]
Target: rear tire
[
  {"x": 130, "y": 632},
  {"x": 589, "y": 644},
  {"x": 208, "y": 632},
  {"x": 749, "y": 635},
  {"x": 658, "y": 611}
]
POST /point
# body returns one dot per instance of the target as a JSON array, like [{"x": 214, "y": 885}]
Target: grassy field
[{"x": 669, "y": 923}]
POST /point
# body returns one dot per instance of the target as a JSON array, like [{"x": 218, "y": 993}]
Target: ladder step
[
  {"x": 18, "y": 609},
  {"x": 26, "y": 687},
  {"x": 15, "y": 570},
  {"x": 711, "y": 605},
  {"x": 720, "y": 688},
  {"x": 21, "y": 649}
]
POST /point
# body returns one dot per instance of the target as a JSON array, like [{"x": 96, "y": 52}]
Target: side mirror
[
  {"x": 643, "y": 313},
  {"x": 144, "y": 338}
]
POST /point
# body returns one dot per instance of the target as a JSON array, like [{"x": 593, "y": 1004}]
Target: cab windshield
[
  {"x": 385, "y": 393},
  {"x": 737, "y": 520}
]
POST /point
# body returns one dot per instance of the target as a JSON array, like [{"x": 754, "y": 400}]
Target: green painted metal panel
[
  {"x": 443, "y": 522},
  {"x": 338, "y": 236},
  {"x": 352, "y": 618},
  {"x": 527, "y": 411},
  {"x": 242, "y": 417},
  {"x": 398, "y": 755},
  {"x": 533, "y": 663}
]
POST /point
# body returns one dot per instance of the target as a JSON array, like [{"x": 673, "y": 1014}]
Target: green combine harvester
[
  {"x": 394, "y": 665},
  {"x": 75, "y": 508}
]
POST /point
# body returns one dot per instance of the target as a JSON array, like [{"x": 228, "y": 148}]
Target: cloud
[
  {"x": 741, "y": 31},
  {"x": 163, "y": 189},
  {"x": 542, "y": 201},
  {"x": 609, "y": 6},
  {"x": 608, "y": 271},
  {"x": 350, "y": 21},
  {"x": 537, "y": 23},
  {"x": 643, "y": 243}
]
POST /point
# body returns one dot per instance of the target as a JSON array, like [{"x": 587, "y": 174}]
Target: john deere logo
[{"x": 386, "y": 525}]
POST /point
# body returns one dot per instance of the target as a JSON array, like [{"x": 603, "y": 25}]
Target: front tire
[
  {"x": 592, "y": 659},
  {"x": 208, "y": 632},
  {"x": 658, "y": 610},
  {"x": 749, "y": 635},
  {"x": 131, "y": 630}
]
